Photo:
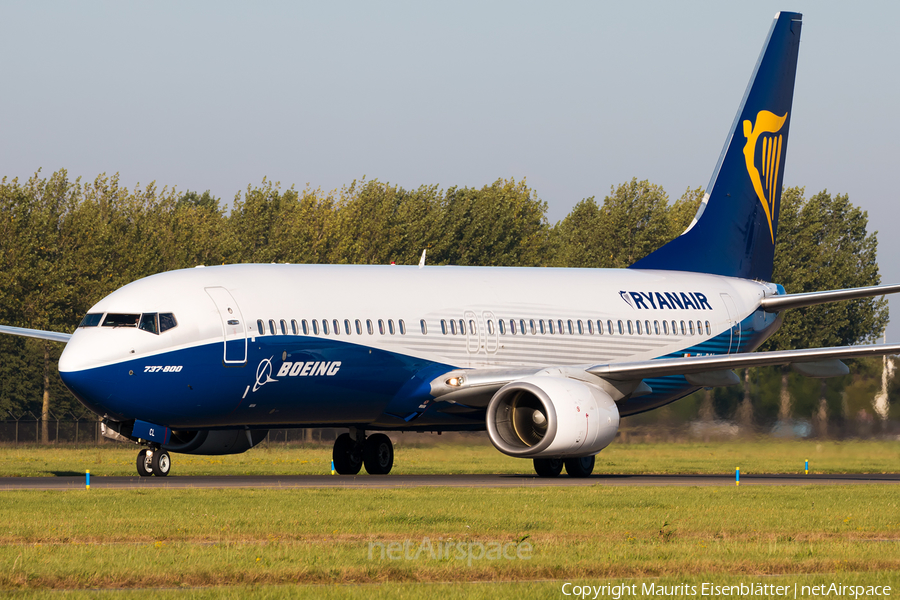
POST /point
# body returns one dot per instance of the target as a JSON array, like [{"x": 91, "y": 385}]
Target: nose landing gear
[
  {"x": 153, "y": 462},
  {"x": 353, "y": 450}
]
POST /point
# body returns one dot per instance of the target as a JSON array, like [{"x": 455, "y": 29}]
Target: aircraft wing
[
  {"x": 627, "y": 371},
  {"x": 53, "y": 336}
]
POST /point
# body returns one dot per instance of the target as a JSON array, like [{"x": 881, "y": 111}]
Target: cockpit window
[
  {"x": 166, "y": 322},
  {"x": 91, "y": 320},
  {"x": 119, "y": 320},
  {"x": 148, "y": 323}
]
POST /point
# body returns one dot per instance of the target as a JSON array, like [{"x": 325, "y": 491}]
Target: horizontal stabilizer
[
  {"x": 785, "y": 301},
  {"x": 53, "y": 336}
]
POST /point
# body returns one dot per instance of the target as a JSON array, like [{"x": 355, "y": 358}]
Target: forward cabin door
[{"x": 234, "y": 331}]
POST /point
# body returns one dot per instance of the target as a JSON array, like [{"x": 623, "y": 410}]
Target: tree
[{"x": 823, "y": 244}]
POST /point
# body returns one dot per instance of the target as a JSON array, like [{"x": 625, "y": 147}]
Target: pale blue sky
[{"x": 574, "y": 96}]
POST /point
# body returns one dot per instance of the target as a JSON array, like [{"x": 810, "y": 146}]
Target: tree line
[{"x": 65, "y": 244}]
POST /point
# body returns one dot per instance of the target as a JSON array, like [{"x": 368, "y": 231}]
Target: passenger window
[
  {"x": 472, "y": 329},
  {"x": 272, "y": 326},
  {"x": 305, "y": 326},
  {"x": 462, "y": 327},
  {"x": 283, "y": 327},
  {"x": 490, "y": 327},
  {"x": 637, "y": 326},
  {"x": 683, "y": 332},
  {"x": 324, "y": 326},
  {"x": 347, "y": 329},
  {"x": 91, "y": 320},
  {"x": 358, "y": 327},
  {"x": 580, "y": 327},
  {"x": 699, "y": 328},
  {"x": 369, "y": 327},
  {"x": 402, "y": 327},
  {"x": 707, "y": 329},
  {"x": 315, "y": 325},
  {"x": 621, "y": 328},
  {"x": 381, "y": 326},
  {"x": 609, "y": 327},
  {"x": 294, "y": 328},
  {"x": 512, "y": 326},
  {"x": 559, "y": 326},
  {"x": 542, "y": 326},
  {"x": 261, "y": 327},
  {"x": 665, "y": 328},
  {"x": 453, "y": 326},
  {"x": 533, "y": 328},
  {"x": 691, "y": 326},
  {"x": 423, "y": 326},
  {"x": 550, "y": 326},
  {"x": 336, "y": 326},
  {"x": 647, "y": 327},
  {"x": 391, "y": 326},
  {"x": 675, "y": 328},
  {"x": 590, "y": 327},
  {"x": 443, "y": 326},
  {"x": 500, "y": 325},
  {"x": 656, "y": 327},
  {"x": 522, "y": 326},
  {"x": 148, "y": 323}
]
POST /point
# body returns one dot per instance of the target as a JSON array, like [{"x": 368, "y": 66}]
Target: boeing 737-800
[{"x": 207, "y": 360}]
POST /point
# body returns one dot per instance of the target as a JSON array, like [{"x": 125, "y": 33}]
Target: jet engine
[
  {"x": 551, "y": 417},
  {"x": 215, "y": 442}
]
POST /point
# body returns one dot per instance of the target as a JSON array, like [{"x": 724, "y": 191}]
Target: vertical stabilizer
[{"x": 736, "y": 226}]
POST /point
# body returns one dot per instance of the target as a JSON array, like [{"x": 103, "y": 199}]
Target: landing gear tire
[
  {"x": 548, "y": 467},
  {"x": 378, "y": 454},
  {"x": 582, "y": 466},
  {"x": 161, "y": 463},
  {"x": 347, "y": 455},
  {"x": 144, "y": 467}
]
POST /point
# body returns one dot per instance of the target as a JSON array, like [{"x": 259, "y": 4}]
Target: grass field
[
  {"x": 761, "y": 456},
  {"x": 458, "y": 543}
]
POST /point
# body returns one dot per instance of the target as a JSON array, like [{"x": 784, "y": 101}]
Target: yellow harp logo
[{"x": 766, "y": 128}]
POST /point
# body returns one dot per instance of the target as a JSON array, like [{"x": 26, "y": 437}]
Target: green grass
[
  {"x": 196, "y": 538},
  {"x": 273, "y": 543},
  {"x": 761, "y": 456}
]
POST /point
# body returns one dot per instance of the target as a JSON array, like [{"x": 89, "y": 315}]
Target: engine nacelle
[
  {"x": 551, "y": 417},
  {"x": 215, "y": 442}
]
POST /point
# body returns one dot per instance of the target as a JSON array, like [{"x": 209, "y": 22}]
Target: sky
[{"x": 575, "y": 97}]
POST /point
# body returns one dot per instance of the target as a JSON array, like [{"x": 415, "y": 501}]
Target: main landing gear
[
  {"x": 153, "y": 461},
  {"x": 353, "y": 450},
  {"x": 582, "y": 466}
]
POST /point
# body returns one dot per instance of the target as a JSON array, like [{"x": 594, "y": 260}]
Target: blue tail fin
[{"x": 735, "y": 228}]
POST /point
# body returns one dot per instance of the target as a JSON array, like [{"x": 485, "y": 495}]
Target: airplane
[{"x": 207, "y": 360}]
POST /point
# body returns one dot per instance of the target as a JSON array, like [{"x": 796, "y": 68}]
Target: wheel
[
  {"x": 582, "y": 466},
  {"x": 548, "y": 467},
  {"x": 347, "y": 455},
  {"x": 161, "y": 463},
  {"x": 143, "y": 464},
  {"x": 378, "y": 454}
]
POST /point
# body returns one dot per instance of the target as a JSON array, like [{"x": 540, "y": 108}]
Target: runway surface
[{"x": 405, "y": 481}]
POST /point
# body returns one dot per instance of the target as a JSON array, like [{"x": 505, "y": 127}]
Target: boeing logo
[
  {"x": 661, "y": 300},
  {"x": 309, "y": 369}
]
